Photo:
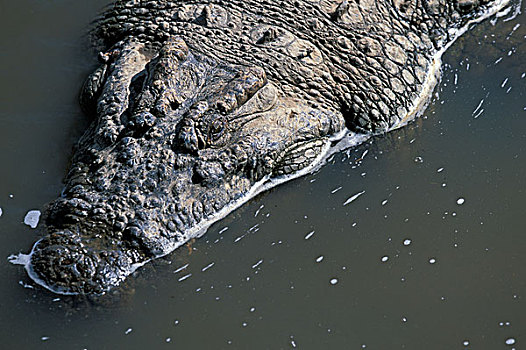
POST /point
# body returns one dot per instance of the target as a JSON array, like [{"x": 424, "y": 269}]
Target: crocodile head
[
  {"x": 186, "y": 130},
  {"x": 179, "y": 140}
]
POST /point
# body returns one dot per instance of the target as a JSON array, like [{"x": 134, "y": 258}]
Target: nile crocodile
[{"x": 199, "y": 105}]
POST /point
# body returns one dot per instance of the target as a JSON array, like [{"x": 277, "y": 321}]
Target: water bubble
[
  {"x": 460, "y": 201},
  {"x": 385, "y": 258},
  {"x": 407, "y": 242},
  {"x": 334, "y": 281},
  {"x": 432, "y": 261},
  {"x": 168, "y": 340},
  {"x": 465, "y": 343},
  {"x": 510, "y": 341}
]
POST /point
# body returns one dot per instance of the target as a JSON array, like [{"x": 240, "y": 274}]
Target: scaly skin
[{"x": 197, "y": 105}]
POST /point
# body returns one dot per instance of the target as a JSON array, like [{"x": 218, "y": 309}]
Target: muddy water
[{"x": 431, "y": 255}]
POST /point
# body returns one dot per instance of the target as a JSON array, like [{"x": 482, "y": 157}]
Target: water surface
[{"x": 431, "y": 255}]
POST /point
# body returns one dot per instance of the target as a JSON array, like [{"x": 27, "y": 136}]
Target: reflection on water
[{"x": 412, "y": 240}]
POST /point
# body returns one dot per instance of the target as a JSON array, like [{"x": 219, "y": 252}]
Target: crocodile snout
[{"x": 63, "y": 264}]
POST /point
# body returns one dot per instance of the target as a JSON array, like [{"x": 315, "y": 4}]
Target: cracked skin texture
[{"x": 196, "y": 102}]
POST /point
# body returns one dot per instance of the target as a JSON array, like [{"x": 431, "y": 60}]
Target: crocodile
[{"x": 199, "y": 105}]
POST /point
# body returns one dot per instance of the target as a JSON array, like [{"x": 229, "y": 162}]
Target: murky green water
[{"x": 432, "y": 255}]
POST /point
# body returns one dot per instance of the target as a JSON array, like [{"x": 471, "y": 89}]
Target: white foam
[
  {"x": 19, "y": 259},
  {"x": 309, "y": 235},
  {"x": 25, "y": 285},
  {"x": 32, "y": 217},
  {"x": 336, "y": 189},
  {"x": 181, "y": 268},
  {"x": 185, "y": 277},
  {"x": 478, "y": 107},
  {"x": 259, "y": 210},
  {"x": 353, "y": 198},
  {"x": 257, "y": 264},
  {"x": 207, "y": 267}
]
